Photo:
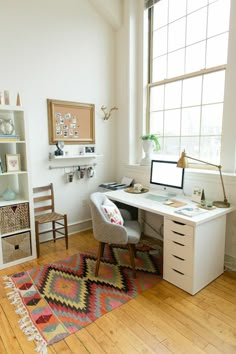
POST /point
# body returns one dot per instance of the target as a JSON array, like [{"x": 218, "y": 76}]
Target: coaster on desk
[{"x": 176, "y": 203}]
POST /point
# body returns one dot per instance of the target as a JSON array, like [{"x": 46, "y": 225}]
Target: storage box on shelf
[{"x": 16, "y": 216}]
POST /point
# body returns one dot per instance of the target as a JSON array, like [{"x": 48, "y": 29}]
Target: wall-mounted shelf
[{"x": 66, "y": 157}]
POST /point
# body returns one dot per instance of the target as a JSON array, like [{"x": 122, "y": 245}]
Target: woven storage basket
[
  {"x": 14, "y": 217},
  {"x": 16, "y": 247}
]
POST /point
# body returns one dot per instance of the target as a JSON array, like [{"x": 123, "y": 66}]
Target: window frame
[{"x": 151, "y": 84}]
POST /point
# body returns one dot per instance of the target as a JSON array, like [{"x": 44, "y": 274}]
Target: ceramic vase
[
  {"x": 148, "y": 147},
  {"x": 8, "y": 194}
]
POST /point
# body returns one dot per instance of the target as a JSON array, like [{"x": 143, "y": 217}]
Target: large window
[{"x": 188, "y": 41}]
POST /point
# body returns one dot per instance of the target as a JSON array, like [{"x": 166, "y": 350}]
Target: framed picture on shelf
[
  {"x": 13, "y": 162},
  {"x": 71, "y": 122}
]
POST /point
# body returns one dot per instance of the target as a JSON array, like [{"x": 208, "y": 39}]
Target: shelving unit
[{"x": 17, "y": 239}]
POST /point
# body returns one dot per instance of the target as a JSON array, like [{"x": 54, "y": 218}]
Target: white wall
[
  {"x": 66, "y": 50},
  {"x": 60, "y": 50}
]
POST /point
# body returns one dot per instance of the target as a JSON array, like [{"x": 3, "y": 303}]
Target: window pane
[
  {"x": 218, "y": 18},
  {"x": 191, "y": 146},
  {"x": 212, "y": 119},
  {"x": 157, "y": 98},
  {"x": 210, "y": 149},
  {"x": 160, "y": 42},
  {"x": 171, "y": 146},
  {"x": 156, "y": 123},
  {"x": 160, "y": 16},
  {"x": 213, "y": 87},
  {"x": 172, "y": 123},
  {"x": 217, "y": 50},
  {"x": 176, "y": 63},
  {"x": 176, "y": 35},
  {"x": 177, "y": 9},
  {"x": 192, "y": 91},
  {"x": 195, "y": 57},
  {"x": 196, "y": 26},
  {"x": 159, "y": 68},
  {"x": 173, "y": 95},
  {"x": 194, "y": 5},
  {"x": 190, "y": 124}
]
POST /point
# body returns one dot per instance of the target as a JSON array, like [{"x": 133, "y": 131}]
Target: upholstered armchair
[{"x": 114, "y": 226}]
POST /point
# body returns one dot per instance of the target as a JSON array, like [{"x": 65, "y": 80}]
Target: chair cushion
[
  {"x": 134, "y": 231},
  {"x": 112, "y": 213}
]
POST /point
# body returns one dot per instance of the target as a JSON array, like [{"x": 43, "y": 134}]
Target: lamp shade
[{"x": 183, "y": 161}]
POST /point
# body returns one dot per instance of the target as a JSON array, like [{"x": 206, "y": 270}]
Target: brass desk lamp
[{"x": 183, "y": 163}]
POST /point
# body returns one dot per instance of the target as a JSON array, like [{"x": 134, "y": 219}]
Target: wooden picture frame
[
  {"x": 71, "y": 122},
  {"x": 13, "y": 162}
]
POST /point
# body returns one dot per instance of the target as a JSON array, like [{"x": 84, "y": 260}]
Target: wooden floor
[{"x": 162, "y": 320}]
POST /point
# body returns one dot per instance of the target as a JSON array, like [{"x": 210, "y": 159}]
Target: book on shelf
[
  {"x": 9, "y": 137},
  {"x": 191, "y": 211}
]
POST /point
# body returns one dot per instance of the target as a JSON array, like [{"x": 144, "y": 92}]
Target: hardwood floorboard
[
  {"x": 106, "y": 344},
  {"x": 73, "y": 342},
  {"x": 206, "y": 325},
  {"x": 164, "y": 319},
  {"x": 89, "y": 342},
  {"x": 118, "y": 335}
]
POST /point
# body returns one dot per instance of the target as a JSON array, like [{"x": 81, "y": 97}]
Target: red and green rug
[{"x": 58, "y": 299}]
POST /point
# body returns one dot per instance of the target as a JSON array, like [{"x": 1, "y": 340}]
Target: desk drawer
[
  {"x": 180, "y": 238},
  {"x": 177, "y": 249},
  {"x": 182, "y": 265},
  {"x": 183, "y": 281},
  {"x": 178, "y": 227}
]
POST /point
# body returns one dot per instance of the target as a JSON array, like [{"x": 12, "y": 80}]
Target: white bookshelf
[{"x": 17, "y": 237}]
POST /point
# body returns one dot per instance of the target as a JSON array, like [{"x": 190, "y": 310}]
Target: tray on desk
[{"x": 132, "y": 190}]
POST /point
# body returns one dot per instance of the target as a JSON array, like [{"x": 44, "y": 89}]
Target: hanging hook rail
[{"x": 72, "y": 166}]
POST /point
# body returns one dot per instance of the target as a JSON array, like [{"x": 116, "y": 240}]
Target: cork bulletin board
[{"x": 71, "y": 122}]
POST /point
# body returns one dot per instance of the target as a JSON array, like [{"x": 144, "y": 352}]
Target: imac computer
[{"x": 166, "y": 177}]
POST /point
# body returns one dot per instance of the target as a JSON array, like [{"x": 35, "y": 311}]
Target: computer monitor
[{"x": 167, "y": 177}]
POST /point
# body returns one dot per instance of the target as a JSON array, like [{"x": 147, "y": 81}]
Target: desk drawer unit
[{"x": 178, "y": 254}]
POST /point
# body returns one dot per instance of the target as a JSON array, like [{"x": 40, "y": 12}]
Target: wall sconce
[{"x": 107, "y": 113}]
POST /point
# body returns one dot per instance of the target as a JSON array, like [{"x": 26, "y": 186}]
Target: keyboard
[{"x": 157, "y": 198}]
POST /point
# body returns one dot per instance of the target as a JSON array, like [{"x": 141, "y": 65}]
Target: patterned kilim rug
[{"x": 58, "y": 299}]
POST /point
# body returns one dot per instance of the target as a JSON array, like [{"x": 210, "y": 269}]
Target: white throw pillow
[{"x": 112, "y": 213}]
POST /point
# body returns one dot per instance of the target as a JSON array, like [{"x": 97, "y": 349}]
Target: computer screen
[{"x": 165, "y": 175}]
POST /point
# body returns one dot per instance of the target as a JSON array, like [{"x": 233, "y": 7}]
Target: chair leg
[
  {"x": 37, "y": 238},
  {"x": 99, "y": 256},
  {"x": 66, "y": 230},
  {"x": 132, "y": 256},
  {"x": 53, "y": 231}
]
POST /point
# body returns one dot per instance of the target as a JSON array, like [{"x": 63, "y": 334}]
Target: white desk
[{"x": 193, "y": 246}]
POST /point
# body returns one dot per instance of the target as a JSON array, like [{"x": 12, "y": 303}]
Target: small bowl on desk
[
  {"x": 209, "y": 204},
  {"x": 138, "y": 187}
]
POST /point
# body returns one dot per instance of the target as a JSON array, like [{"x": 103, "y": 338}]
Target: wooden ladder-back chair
[{"x": 45, "y": 213}]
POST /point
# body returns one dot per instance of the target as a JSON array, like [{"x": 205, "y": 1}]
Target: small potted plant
[{"x": 150, "y": 144}]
